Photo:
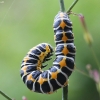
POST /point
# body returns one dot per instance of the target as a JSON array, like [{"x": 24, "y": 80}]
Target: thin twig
[
  {"x": 73, "y": 4},
  {"x": 3, "y": 94},
  {"x": 62, "y": 7},
  {"x": 95, "y": 58},
  {"x": 82, "y": 72}
]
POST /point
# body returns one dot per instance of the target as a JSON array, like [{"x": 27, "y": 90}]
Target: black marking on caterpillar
[{"x": 56, "y": 76}]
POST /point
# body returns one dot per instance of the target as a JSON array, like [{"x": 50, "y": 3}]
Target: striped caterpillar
[{"x": 57, "y": 75}]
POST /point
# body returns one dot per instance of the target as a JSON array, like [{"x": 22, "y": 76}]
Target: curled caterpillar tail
[
  {"x": 57, "y": 75},
  {"x": 31, "y": 67}
]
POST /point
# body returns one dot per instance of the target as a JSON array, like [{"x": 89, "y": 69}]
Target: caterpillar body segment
[
  {"x": 65, "y": 50},
  {"x": 63, "y": 29},
  {"x": 64, "y": 40}
]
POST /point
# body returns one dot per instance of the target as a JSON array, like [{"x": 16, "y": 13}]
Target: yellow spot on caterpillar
[
  {"x": 65, "y": 50},
  {"x": 42, "y": 80},
  {"x": 29, "y": 77},
  {"x": 25, "y": 59},
  {"x": 38, "y": 68},
  {"x": 47, "y": 49},
  {"x": 39, "y": 64},
  {"x": 62, "y": 24},
  {"x": 42, "y": 56},
  {"x": 64, "y": 38},
  {"x": 24, "y": 69},
  {"x": 62, "y": 63},
  {"x": 54, "y": 75}
]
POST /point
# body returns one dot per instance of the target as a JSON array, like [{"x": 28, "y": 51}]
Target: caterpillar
[{"x": 57, "y": 75}]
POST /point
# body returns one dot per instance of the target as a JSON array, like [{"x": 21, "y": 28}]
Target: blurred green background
[{"x": 26, "y": 23}]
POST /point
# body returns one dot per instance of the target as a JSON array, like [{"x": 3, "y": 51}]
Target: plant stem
[
  {"x": 65, "y": 93},
  {"x": 65, "y": 89},
  {"x": 73, "y": 4},
  {"x": 62, "y": 7},
  {"x": 3, "y": 94}
]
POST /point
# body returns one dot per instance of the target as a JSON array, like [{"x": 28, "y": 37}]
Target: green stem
[
  {"x": 65, "y": 89},
  {"x": 3, "y": 94},
  {"x": 65, "y": 93},
  {"x": 73, "y": 4},
  {"x": 62, "y": 7}
]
